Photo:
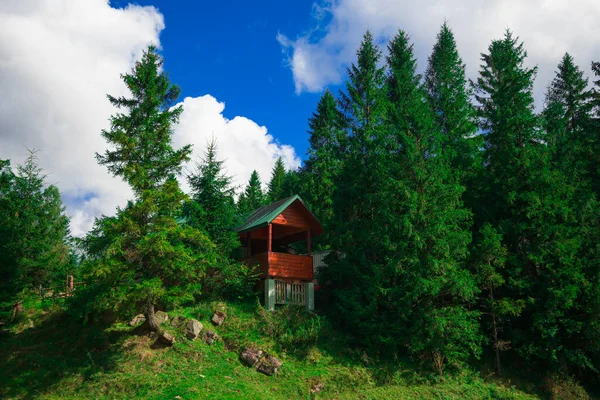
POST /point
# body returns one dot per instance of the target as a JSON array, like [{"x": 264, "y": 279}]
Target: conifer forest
[{"x": 461, "y": 232}]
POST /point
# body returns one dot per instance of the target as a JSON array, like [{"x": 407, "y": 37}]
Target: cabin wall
[
  {"x": 291, "y": 266},
  {"x": 292, "y": 216}
]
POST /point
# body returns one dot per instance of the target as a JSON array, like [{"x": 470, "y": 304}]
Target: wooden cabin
[{"x": 266, "y": 236}]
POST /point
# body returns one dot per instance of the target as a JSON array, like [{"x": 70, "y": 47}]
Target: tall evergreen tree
[
  {"x": 528, "y": 203},
  {"x": 566, "y": 118},
  {"x": 449, "y": 95},
  {"x": 34, "y": 229},
  {"x": 252, "y": 197},
  {"x": 277, "y": 182},
  {"x": 212, "y": 207},
  {"x": 325, "y": 154},
  {"x": 356, "y": 271},
  {"x": 429, "y": 225},
  {"x": 143, "y": 258}
]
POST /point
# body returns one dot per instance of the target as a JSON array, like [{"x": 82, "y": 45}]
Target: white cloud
[
  {"x": 549, "y": 28},
  {"x": 58, "y": 59},
  {"x": 243, "y": 144}
]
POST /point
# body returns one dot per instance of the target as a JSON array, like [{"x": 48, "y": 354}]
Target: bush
[{"x": 292, "y": 326}]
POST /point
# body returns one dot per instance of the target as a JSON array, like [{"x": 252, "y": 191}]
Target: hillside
[{"x": 48, "y": 355}]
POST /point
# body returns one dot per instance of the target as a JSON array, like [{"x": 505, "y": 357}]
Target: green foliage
[
  {"x": 34, "y": 241},
  {"x": 292, "y": 327},
  {"x": 277, "y": 182},
  {"x": 252, "y": 197},
  {"x": 325, "y": 154},
  {"x": 212, "y": 207},
  {"x": 143, "y": 258}
]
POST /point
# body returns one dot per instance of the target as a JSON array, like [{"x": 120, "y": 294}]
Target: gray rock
[
  {"x": 269, "y": 365},
  {"x": 161, "y": 317},
  {"x": 210, "y": 337},
  {"x": 218, "y": 318},
  {"x": 192, "y": 329},
  {"x": 166, "y": 338},
  {"x": 250, "y": 356},
  {"x": 138, "y": 319},
  {"x": 177, "y": 322}
]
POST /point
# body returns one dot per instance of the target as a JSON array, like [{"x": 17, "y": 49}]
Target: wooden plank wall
[
  {"x": 292, "y": 216},
  {"x": 290, "y": 266}
]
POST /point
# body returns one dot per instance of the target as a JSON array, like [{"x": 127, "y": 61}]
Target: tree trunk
[
  {"x": 495, "y": 328},
  {"x": 151, "y": 321},
  {"x": 16, "y": 311}
]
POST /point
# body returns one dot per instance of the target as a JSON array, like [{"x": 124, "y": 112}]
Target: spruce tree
[
  {"x": 277, "y": 182},
  {"x": 429, "y": 226},
  {"x": 35, "y": 230},
  {"x": 253, "y": 196},
  {"x": 566, "y": 118},
  {"x": 356, "y": 269},
  {"x": 143, "y": 258},
  {"x": 212, "y": 207},
  {"x": 325, "y": 155},
  {"x": 449, "y": 96},
  {"x": 528, "y": 204}
]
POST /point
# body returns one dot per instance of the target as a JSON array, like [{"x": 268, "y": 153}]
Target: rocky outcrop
[
  {"x": 269, "y": 365},
  {"x": 218, "y": 318},
  {"x": 177, "y": 322},
  {"x": 161, "y": 317},
  {"x": 210, "y": 337},
  {"x": 192, "y": 329},
  {"x": 166, "y": 338},
  {"x": 137, "y": 320},
  {"x": 251, "y": 356}
]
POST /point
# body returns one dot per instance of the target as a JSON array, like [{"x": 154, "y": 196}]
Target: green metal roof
[{"x": 265, "y": 215}]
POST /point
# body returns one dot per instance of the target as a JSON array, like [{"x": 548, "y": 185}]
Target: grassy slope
[{"x": 57, "y": 358}]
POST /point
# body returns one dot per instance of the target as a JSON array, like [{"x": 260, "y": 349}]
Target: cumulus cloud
[
  {"x": 58, "y": 59},
  {"x": 241, "y": 143},
  {"x": 549, "y": 28}
]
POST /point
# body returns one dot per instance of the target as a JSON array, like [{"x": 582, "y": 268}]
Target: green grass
[{"x": 58, "y": 358}]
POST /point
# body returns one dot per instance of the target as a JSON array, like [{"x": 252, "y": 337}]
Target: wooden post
[
  {"x": 270, "y": 238},
  {"x": 270, "y": 294},
  {"x": 249, "y": 244},
  {"x": 309, "y": 295},
  {"x": 308, "y": 241}
]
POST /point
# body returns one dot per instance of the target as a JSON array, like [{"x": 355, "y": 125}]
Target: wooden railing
[{"x": 289, "y": 293}]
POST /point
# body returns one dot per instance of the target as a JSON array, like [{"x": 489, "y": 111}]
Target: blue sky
[
  {"x": 251, "y": 72},
  {"x": 229, "y": 49}
]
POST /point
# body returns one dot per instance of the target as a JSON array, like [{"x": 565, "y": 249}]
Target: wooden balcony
[{"x": 283, "y": 266}]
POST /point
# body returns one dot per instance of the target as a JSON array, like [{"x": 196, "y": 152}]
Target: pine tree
[
  {"x": 253, "y": 196},
  {"x": 277, "y": 182},
  {"x": 325, "y": 154},
  {"x": 143, "y": 258},
  {"x": 449, "y": 95},
  {"x": 35, "y": 230},
  {"x": 355, "y": 270},
  {"x": 429, "y": 227},
  {"x": 528, "y": 203},
  {"x": 212, "y": 207},
  {"x": 566, "y": 118}
]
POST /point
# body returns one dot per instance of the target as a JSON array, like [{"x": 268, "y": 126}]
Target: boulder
[
  {"x": 218, "y": 318},
  {"x": 210, "y": 337},
  {"x": 192, "y": 329},
  {"x": 269, "y": 365},
  {"x": 250, "y": 356},
  {"x": 161, "y": 317},
  {"x": 138, "y": 319},
  {"x": 166, "y": 338},
  {"x": 177, "y": 322}
]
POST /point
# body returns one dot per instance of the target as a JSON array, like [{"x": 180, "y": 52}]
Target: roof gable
[{"x": 265, "y": 215}]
